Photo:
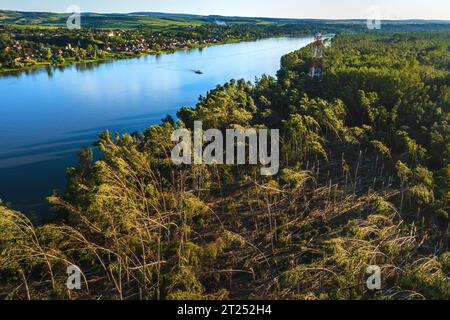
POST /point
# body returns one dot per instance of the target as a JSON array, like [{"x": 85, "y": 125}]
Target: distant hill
[
  {"x": 165, "y": 20},
  {"x": 97, "y": 20}
]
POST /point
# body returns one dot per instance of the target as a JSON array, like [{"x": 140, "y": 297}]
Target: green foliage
[{"x": 364, "y": 180}]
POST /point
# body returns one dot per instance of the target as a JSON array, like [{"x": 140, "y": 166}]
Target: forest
[
  {"x": 364, "y": 180},
  {"x": 36, "y": 39}
]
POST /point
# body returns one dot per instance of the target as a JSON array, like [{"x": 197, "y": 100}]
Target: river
[{"x": 47, "y": 115}]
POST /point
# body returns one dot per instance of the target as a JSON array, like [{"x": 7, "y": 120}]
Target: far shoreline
[{"x": 125, "y": 56}]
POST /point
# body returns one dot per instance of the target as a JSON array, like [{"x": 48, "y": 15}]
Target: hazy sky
[{"x": 390, "y": 9}]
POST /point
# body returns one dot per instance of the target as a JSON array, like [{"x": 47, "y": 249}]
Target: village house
[
  {"x": 69, "y": 48},
  {"x": 59, "y": 53}
]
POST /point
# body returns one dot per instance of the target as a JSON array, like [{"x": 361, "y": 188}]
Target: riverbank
[
  {"x": 122, "y": 56},
  {"x": 61, "y": 112}
]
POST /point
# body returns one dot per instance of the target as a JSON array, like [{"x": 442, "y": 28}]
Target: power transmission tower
[{"x": 316, "y": 69}]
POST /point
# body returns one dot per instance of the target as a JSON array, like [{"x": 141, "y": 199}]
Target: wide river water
[{"x": 47, "y": 115}]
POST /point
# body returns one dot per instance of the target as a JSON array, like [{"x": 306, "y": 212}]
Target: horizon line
[{"x": 225, "y": 16}]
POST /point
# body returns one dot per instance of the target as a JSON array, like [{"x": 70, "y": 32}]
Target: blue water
[{"x": 47, "y": 115}]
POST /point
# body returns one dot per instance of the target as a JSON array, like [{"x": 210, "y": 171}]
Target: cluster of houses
[
  {"x": 120, "y": 41},
  {"x": 150, "y": 43}
]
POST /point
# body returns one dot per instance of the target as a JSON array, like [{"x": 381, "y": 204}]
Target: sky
[{"x": 324, "y": 9}]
